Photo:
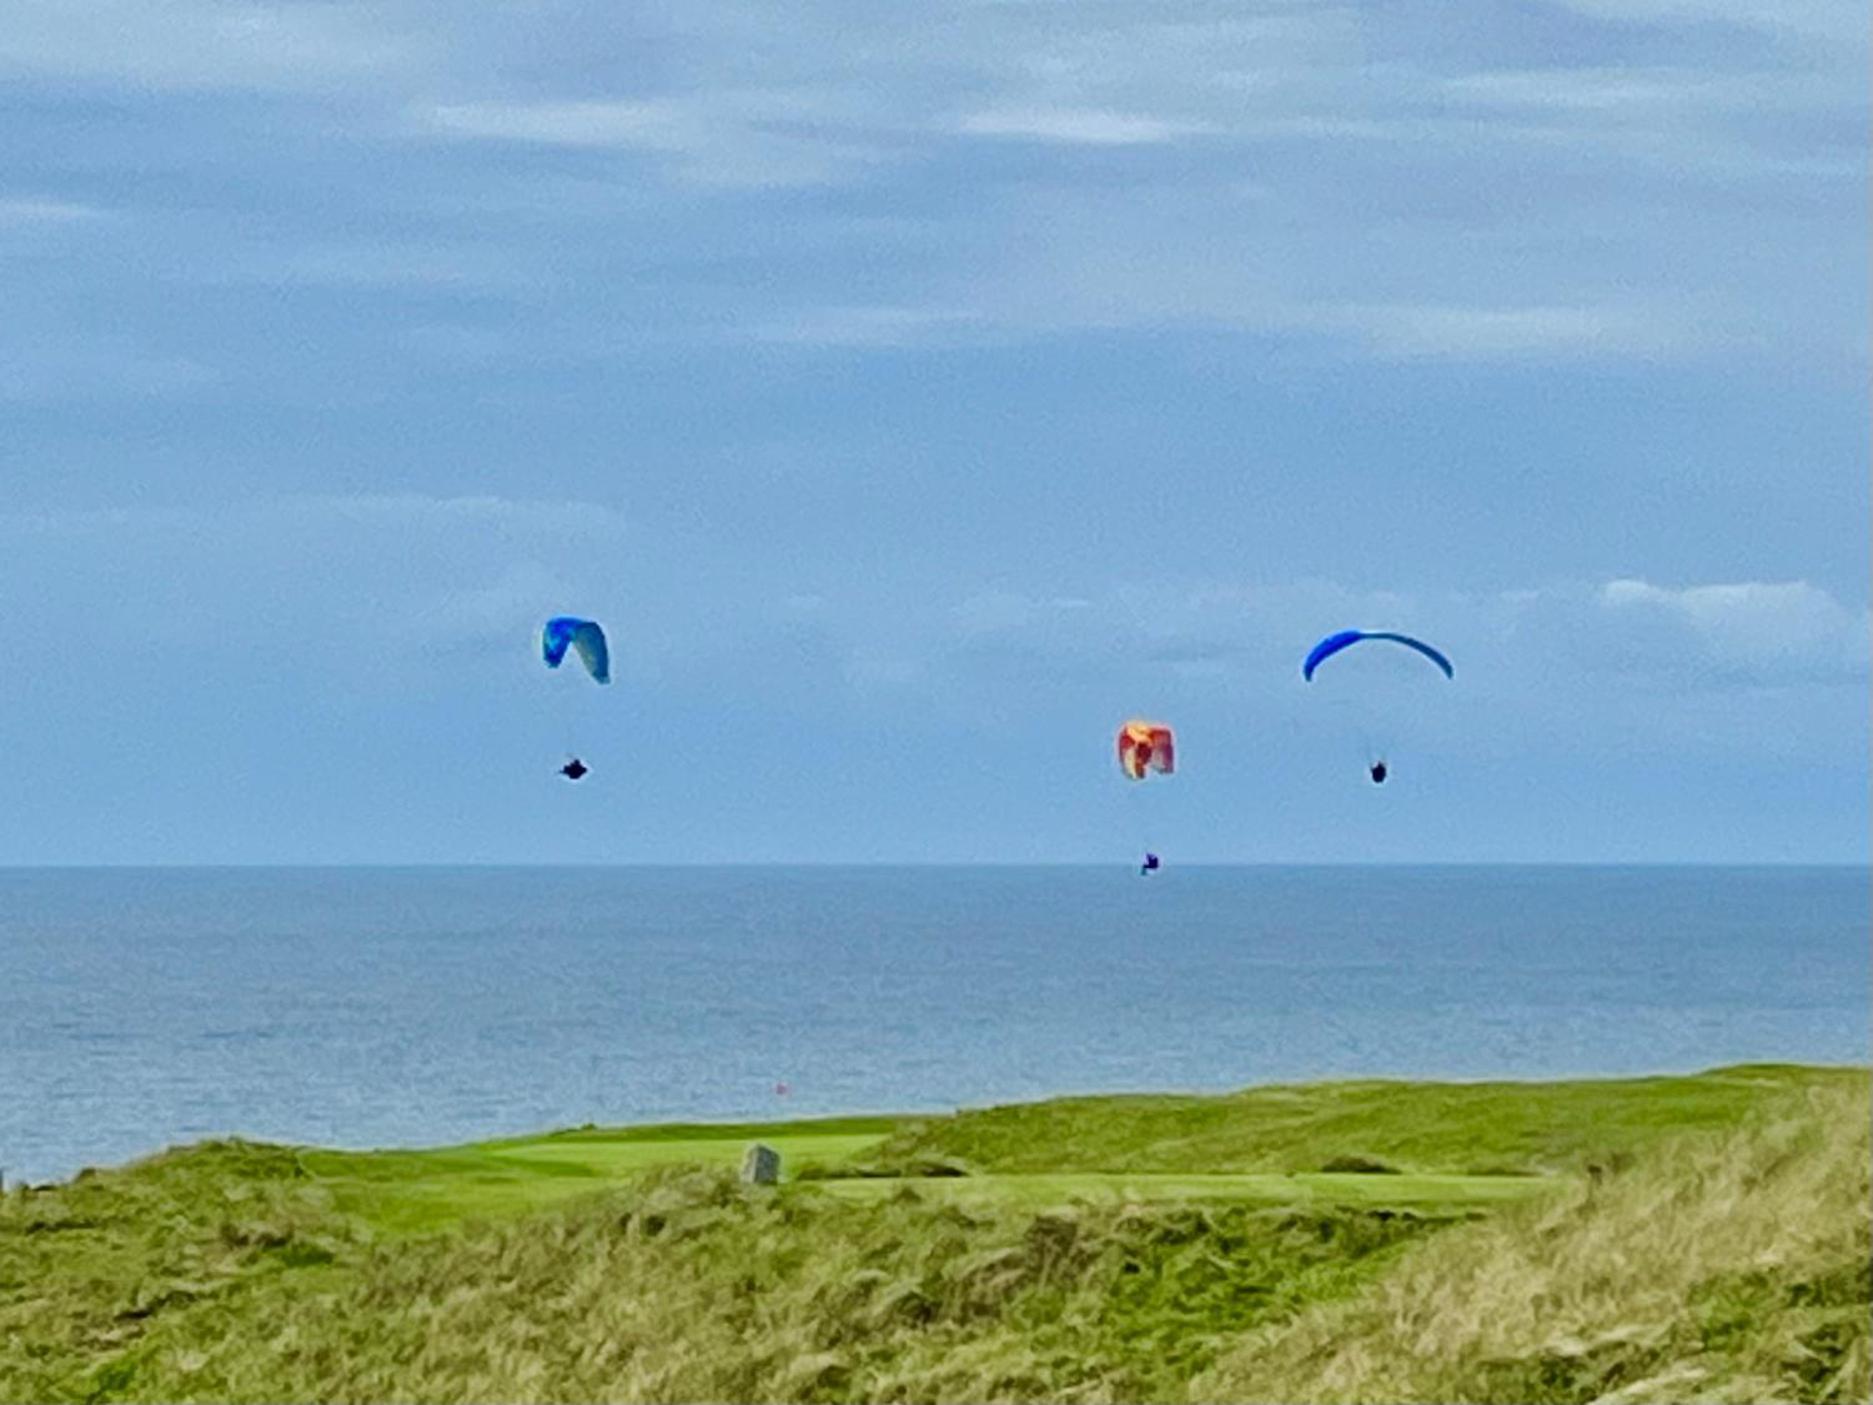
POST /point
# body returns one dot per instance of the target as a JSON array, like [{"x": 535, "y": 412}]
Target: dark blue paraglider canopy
[{"x": 1346, "y": 638}]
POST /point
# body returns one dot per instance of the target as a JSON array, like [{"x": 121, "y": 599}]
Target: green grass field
[
  {"x": 1648, "y": 1239},
  {"x": 415, "y": 1191}
]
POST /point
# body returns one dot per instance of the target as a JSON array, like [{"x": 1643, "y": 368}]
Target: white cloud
[
  {"x": 1808, "y": 19},
  {"x": 871, "y": 327},
  {"x": 1079, "y": 126},
  {"x": 1558, "y": 640},
  {"x": 883, "y": 668},
  {"x": 1638, "y": 94},
  {"x": 30, "y": 210},
  {"x": 994, "y": 611},
  {"x": 1460, "y": 199},
  {"x": 383, "y": 264},
  {"x": 357, "y": 577},
  {"x": 1189, "y": 627},
  {"x": 503, "y": 609},
  {"x": 202, "y": 44},
  {"x": 649, "y": 126},
  {"x": 1720, "y": 125},
  {"x": 1753, "y": 625},
  {"x": 1500, "y": 333},
  {"x": 738, "y": 138},
  {"x": 475, "y": 568},
  {"x": 281, "y": 520}
]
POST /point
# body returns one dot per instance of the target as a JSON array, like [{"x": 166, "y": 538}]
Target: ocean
[{"x": 378, "y": 1007}]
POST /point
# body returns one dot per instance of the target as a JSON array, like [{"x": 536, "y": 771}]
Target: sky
[{"x": 915, "y": 393}]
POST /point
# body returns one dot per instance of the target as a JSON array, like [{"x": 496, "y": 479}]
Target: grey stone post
[{"x": 760, "y": 1165}]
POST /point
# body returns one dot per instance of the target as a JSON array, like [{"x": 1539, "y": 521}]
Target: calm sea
[{"x": 366, "y": 1007}]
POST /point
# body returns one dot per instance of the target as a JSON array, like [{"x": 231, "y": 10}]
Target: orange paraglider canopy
[{"x": 1145, "y": 747}]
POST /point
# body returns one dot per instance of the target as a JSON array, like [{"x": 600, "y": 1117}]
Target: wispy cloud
[
  {"x": 264, "y": 518},
  {"x": 648, "y": 126},
  {"x": 1502, "y": 333},
  {"x": 1753, "y": 625},
  {"x": 1557, "y": 637},
  {"x": 977, "y": 166},
  {"x": 734, "y": 138},
  {"x": 204, "y": 44},
  {"x": 874, "y": 327},
  {"x": 1808, "y": 19},
  {"x": 16, "y": 210},
  {"x": 1079, "y": 126},
  {"x": 374, "y": 577},
  {"x": 1638, "y": 93},
  {"x": 1401, "y": 332},
  {"x": 384, "y": 263}
]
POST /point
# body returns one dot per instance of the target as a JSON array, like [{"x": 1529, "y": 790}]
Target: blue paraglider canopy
[
  {"x": 569, "y": 632},
  {"x": 1346, "y": 638}
]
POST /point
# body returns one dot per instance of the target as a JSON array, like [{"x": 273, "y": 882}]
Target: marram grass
[
  {"x": 1736, "y": 1267},
  {"x": 1668, "y": 1239},
  {"x": 691, "y": 1287}
]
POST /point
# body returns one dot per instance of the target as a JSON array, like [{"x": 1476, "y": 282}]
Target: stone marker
[{"x": 760, "y": 1165}]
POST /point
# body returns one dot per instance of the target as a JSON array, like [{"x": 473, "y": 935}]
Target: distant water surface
[{"x": 364, "y": 1007}]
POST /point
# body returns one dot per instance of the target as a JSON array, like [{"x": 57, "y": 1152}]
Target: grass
[
  {"x": 1042, "y": 1190},
  {"x": 1736, "y": 1267},
  {"x": 1461, "y": 1128},
  {"x": 414, "y": 1192},
  {"x": 1703, "y": 1237},
  {"x": 690, "y": 1286}
]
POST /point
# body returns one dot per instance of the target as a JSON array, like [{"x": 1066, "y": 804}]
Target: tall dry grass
[
  {"x": 692, "y": 1288},
  {"x": 1727, "y": 1268}
]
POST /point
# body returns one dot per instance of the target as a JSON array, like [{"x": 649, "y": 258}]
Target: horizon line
[{"x": 933, "y": 864}]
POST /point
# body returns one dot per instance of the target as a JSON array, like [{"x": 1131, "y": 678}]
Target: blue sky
[{"x": 916, "y": 392}]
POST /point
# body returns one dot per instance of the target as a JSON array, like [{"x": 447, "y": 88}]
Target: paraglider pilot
[
  {"x": 587, "y": 639},
  {"x": 1378, "y": 772},
  {"x": 1150, "y": 865}
]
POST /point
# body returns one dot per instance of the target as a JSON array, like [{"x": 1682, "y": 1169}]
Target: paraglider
[
  {"x": 584, "y": 637},
  {"x": 1345, "y": 639},
  {"x": 1145, "y": 747},
  {"x": 568, "y": 631}
]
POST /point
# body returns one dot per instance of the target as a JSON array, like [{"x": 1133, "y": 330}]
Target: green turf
[
  {"x": 418, "y": 1191},
  {"x": 1460, "y": 1128},
  {"x": 1459, "y": 1142}
]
